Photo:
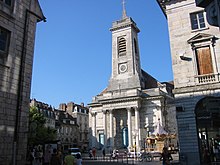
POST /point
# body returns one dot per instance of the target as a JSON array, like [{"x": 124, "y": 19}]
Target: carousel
[{"x": 159, "y": 139}]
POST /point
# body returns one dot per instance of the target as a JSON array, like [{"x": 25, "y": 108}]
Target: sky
[{"x": 72, "y": 58}]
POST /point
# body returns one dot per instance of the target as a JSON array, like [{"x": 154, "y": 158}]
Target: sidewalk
[{"x": 124, "y": 160}]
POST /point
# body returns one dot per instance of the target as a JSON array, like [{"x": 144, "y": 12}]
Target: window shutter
[{"x": 204, "y": 61}]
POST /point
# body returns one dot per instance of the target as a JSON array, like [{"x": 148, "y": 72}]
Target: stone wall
[{"x": 15, "y": 76}]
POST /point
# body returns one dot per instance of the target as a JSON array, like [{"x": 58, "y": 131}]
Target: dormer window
[{"x": 121, "y": 46}]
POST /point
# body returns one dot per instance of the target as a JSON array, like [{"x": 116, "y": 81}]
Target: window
[
  {"x": 204, "y": 60},
  {"x": 122, "y": 46},
  {"x": 7, "y": 2},
  {"x": 197, "y": 20},
  {"x": 4, "y": 41}
]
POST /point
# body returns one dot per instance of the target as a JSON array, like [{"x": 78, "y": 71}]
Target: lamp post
[
  {"x": 146, "y": 138},
  {"x": 135, "y": 134}
]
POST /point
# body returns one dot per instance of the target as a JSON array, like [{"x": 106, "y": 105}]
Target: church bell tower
[{"x": 126, "y": 69}]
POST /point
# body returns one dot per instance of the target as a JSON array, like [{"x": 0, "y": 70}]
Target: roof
[
  {"x": 148, "y": 80},
  {"x": 36, "y": 9}
]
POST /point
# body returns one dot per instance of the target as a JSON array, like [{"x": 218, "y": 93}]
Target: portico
[{"x": 118, "y": 114}]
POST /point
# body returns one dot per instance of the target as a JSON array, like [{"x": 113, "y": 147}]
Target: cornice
[
  {"x": 163, "y": 3},
  {"x": 117, "y": 100},
  {"x": 197, "y": 88},
  {"x": 127, "y": 22}
]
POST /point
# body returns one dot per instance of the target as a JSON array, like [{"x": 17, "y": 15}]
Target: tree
[{"x": 38, "y": 133}]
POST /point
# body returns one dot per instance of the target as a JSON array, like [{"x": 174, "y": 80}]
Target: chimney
[{"x": 62, "y": 106}]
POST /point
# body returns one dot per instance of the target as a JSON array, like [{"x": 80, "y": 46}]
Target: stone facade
[
  {"x": 129, "y": 108},
  {"x": 47, "y": 111},
  {"x": 195, "y": 51},
  {"x": 81, "y": 114},
  {"x": 67, "y": 130},
  {"x": 17, "y": 34}
]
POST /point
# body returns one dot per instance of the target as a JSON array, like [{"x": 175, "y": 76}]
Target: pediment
[{"x": 201, "y": 37}]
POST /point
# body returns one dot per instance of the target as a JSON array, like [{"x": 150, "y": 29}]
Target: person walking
[
  {"x": 94, "y": 153},
  {"x": 90, "y": 154},
  {"x": 103, "y": 153},
  {"x": 47, "y": 156},
  {"x": 78, "y": 159},
  {"x": 69, "y": 159},
  {"x": 55, "y": 160},
  {"x": 166, "y": 156}
]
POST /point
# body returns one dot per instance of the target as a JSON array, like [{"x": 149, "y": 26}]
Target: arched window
[{"x": 121, "y": 46}]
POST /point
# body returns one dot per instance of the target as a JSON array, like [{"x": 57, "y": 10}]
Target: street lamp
[
  {"x": 135, "y": 134},
  {"x": 146, "y": 138}
]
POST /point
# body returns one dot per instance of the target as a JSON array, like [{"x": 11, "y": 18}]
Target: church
[{"x": 134, "y": 103}]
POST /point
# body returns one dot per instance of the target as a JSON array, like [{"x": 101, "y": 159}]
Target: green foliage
[{"x": 38, "y": 133}]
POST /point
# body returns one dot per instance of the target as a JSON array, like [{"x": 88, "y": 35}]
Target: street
[{"x": 101, "y": 162}]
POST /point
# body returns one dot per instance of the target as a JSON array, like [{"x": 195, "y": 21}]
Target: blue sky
[{"x": 72, "y": 59}]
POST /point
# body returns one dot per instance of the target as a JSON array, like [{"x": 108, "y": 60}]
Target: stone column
[
  {"x": 137, "y": 128},
  {"x": 93, "y": 128},
  {"x": 129, "y": 128},
  {"x": 105, "y": 127},
  {"x": 111, "y": 136}
]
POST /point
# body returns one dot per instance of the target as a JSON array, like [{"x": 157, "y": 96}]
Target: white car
[{"x": 74, "y": 151}]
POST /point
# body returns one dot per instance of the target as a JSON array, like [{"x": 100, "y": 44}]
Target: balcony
[{"x": 207, "y": 78}]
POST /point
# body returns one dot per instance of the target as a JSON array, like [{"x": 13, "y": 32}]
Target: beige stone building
[
  {"x": 67, "y": 130},
  {"x": 46, "y": 110},
  {"x": 81, "y": 114},
  {"x": 195, "y": 51},
  {"x": 123, "y": 114},
  {"x": 18, "y": 21}
]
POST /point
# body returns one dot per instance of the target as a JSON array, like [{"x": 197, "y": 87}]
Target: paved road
[{"x": 130, "y": 162}]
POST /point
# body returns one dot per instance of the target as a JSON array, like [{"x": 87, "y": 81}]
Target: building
[
  {"x": 47, "y": 111},
  {"x": 18, "y": 21},
  {"x": 123, "y": 114},
  {"x": 81, "y": 114},
  {"x": 67, "y": 130},
  {"x": 195, "y": 51},
  {"x": 64, "y": 123}
]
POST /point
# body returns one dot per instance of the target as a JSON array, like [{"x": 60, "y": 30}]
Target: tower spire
[{"x": 124, "y": 15}]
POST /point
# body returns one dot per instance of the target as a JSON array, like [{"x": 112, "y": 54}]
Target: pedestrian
[
  {"x": 69, "y": 159},
  {"x": 78, "y": 159},
  {"x": 47, "y": 156},
  {"x": 103, "y": 153},
  {"x": 94, "y": 152},
  {"x": 55, "y": 160},
  {"x": 90, "y": 153},
  {"x": 166, "y": 156}
]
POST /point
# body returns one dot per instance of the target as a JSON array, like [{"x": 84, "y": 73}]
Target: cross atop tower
[{"x": 124, "y": 15}]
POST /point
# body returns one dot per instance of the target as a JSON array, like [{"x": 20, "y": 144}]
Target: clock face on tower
[{"x": 123, "y": 67}]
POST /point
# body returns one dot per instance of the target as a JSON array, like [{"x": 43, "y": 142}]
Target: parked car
[{"x": 74, "y": 151}]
